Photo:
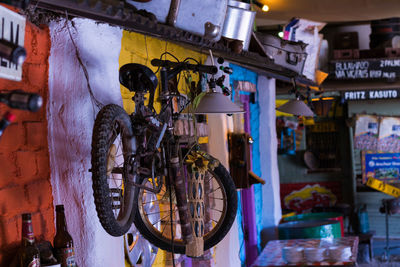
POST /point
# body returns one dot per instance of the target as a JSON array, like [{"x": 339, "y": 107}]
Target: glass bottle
[
  {"x": 63, "y": 243},
  {"x": 29, "y": 254}
]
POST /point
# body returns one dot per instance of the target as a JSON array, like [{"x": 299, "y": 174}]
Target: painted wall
[
  {"x": 24, "y": 158},
  {"x": 373, "y": 199},
  {"x": 292, "y": 168},
  {"x": 271, "y": 212},
  {"x": 71, "y": 114}
]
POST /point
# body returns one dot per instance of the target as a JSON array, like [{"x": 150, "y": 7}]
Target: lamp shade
[
  {"x": 296, "y": 107},
  {"x": 214, "y": 102}
]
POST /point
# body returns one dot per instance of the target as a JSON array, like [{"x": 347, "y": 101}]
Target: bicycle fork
[{"x": 178, "y": 180}]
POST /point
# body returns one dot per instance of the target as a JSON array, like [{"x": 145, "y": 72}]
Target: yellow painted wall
[{"x": 138, "y": 48}]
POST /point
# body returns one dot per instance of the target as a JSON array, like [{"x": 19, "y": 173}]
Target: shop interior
[{"x": 214, "y": 133}]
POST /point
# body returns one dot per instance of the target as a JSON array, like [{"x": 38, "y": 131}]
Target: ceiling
[{"x": 281, "y": 11}]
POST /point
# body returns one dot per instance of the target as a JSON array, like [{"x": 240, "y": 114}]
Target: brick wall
[{"x": 24, "y": 158}]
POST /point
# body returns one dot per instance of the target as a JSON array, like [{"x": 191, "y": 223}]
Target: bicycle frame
[{"x": 162, "y": 136}]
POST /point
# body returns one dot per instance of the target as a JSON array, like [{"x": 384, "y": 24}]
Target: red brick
[
  {"x": 24, "y": 152},
  {"x": 43, "y": 224},
  {"x": 8, "y": 170},
  {"x": 37, "y": 43},
  {"x": 12, "y": 201},
  {"x": 26, "y": 165},
  {"x": 13, "y": 137},
  {"x": 36, "y": 134},
  {"x": 37, "y": 76},
  {"x": 28, "y": 116},
  {"x": 9, "y": 231},
  {"x": 43, "y": 164},
  {"x": 39, "y": 194}
]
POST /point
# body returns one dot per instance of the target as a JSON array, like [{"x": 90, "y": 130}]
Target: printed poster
[
  {"x": 382, "y": 166},
  {"x": 389, "y": 134},
  {"x": 366, "y": 132}
]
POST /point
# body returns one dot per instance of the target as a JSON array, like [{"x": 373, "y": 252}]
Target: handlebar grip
[
  {"x": 160, "y": 63},
  {"x": 206, "y": 68},
  {"x": 194, "y": 67}
]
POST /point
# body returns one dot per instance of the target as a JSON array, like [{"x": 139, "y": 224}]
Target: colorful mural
[{"x": 302, "y": 197}]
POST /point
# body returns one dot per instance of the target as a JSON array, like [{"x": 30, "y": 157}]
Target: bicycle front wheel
[
  {"x": 113, "y": 147},
  {"x": 220, "y": 200}
]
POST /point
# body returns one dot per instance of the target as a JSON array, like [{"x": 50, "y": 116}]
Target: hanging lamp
[
  {"x": 296, "y": 107},
  {"x": 213, "y": 102}
]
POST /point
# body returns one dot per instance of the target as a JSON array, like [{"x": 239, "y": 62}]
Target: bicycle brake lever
[
  {"x": 227, "y": 70},
  {"x": 220, "y": 83}
]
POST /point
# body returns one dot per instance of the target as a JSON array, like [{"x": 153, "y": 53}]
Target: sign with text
[
  {"x": 371, "y": 94},
  {"x": 387, "y": 68},
  {"x": 381, "y": 166},
  {"x": 12, "y": 29}
]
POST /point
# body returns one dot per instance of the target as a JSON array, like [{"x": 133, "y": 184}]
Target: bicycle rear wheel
[
  {"x": 220, "y": 199},
  {"x": 113, "y": 147}
]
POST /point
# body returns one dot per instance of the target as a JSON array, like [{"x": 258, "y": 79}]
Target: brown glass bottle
[
  {"x": 63, "y": 243},
  {"x": 29, "y": 254}
]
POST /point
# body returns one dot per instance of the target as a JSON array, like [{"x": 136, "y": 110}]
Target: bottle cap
[
  {"x": 26, "y": 216},
  {"x": 59, "y": 207},
  {"x": 9, "y": 116}
]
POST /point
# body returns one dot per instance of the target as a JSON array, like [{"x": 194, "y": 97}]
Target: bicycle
[{"x": 138, "y": 168}]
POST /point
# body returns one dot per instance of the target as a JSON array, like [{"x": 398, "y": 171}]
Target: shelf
[{"x": 129, "y": 19}]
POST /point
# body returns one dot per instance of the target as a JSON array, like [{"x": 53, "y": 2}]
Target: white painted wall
[
  {"x": 227, "y": 251},
  {"x": 71, "y": 115},
  {"x": 272, "y": 212}
]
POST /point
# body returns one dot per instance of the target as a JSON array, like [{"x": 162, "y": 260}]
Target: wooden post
[{"x": 195, "y": 192}]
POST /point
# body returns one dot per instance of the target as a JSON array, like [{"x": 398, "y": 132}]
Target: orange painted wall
[{"x": 24, "y": 158}]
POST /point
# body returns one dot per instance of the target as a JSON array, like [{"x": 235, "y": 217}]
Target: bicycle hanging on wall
[{"x": 180, "y": 202}]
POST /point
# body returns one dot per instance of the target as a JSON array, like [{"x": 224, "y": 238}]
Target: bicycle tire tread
[{"x": 101, "y": 131}]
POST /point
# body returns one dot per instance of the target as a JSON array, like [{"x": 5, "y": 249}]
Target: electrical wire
[
  {"x": 164, "y": 54},
  {"x": 85, "y": 71},
  {"x": 190, "y": 58}
]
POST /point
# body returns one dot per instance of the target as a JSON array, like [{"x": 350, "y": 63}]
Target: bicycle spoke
[
  {"x": 216, "y": 198},
  {"x": 214, "y": 190},
  {"x": 160, "y": 220},
  {"x": 161, "y": 211},
  {"x": 162, "y": 232},
  {"x": 144, "y": 203},
  {"x": 221, "y": 211},
  {"x": 208, "y": 180}
]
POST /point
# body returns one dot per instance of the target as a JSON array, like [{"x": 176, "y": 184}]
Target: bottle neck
[
  {"x": 27, "y": 233},
  {"x": 60, "y": 221}
]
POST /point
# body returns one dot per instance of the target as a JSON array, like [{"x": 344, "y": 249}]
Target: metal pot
[{"x": 239, "y": 22}]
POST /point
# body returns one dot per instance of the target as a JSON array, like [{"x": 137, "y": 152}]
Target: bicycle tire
[
  {"x": 211, "y": 238},
  {"x": 114, "y": 200}
]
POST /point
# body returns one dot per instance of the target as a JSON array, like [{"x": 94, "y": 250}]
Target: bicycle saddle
[{"x": 137, "y": 78}]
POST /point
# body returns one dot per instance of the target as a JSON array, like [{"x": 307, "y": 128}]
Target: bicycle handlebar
[{"x": 194, "y": 67}]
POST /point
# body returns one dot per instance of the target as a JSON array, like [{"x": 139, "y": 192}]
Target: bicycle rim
[{"x": 215, "y": 203}]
